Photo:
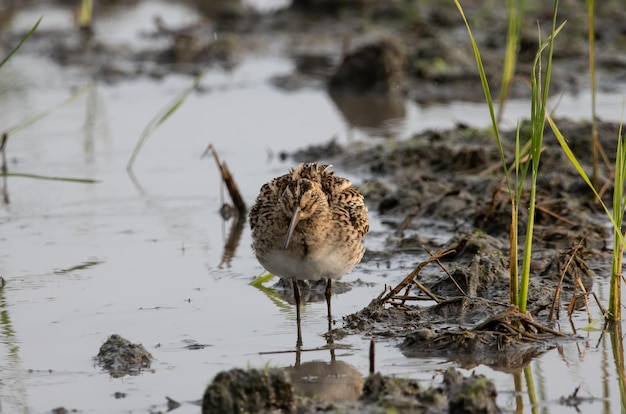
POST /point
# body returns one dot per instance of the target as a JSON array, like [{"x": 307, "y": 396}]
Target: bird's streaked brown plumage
[{"x": 309, "y": 224}]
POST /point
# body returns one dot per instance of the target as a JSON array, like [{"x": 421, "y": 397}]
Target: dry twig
[
  {"x": 410, "y": 278},
  {"x": 557, "y": 294},
  {"x": 228, "y": 179}
]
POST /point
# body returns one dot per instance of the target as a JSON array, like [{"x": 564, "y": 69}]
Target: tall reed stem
[
  {"x": 591, "y": 6},
  {"x": 514, "y": 28},
  {"x": 539, "y": 97},
  {"x": 615, "y": 308}
]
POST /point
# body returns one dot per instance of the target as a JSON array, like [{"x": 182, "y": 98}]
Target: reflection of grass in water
[
  {"x": 82, "y": 266},
  {"x": 6, "y": 326},
  {"x": 30, "y": 121},
  {"x": 95, "y": 125},
  {"x": 530, "y": 386},
  {"x": 12, "y": 130},
  {"x": 617, "y": 345},
  {"x": 11, "y": 347},
  {"x": 35, "y": 118}
]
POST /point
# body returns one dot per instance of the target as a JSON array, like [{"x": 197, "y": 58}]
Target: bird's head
[{"x": 301, "y": 200}]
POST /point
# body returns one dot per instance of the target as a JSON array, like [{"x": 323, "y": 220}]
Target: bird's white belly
[{"x": 329, "y": 264}]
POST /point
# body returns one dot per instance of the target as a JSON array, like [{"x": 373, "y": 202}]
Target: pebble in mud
[{"x": 121, "y": 357}]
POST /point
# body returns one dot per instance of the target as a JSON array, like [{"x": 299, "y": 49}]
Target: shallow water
[{"x": 144, "y": 258}]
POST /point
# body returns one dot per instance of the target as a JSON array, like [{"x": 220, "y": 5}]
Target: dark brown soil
[
  {"x": 460, "y": 309},
  {"x": 274, "y": 390},
  {"x": 457, "y": 307},
  {"x": 425, "y": 51}
]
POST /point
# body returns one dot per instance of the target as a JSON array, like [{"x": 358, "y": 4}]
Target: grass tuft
[
  {"x": 540, "y": 83},
  {"x": 540, "y": 87}
]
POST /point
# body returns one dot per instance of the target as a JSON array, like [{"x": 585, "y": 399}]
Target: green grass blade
[
  {"x": 51, "y": 178},
  {"x": 85, "y": 14},
  {"x": 539, "y": 97},
  {"x": 574, "y": 161},
  {"x": 617, "y": 348},
  {"x": 262, "y": 278},
  {"x": 271, "y": 293},
  {"x": 28, "y": 122},
  {"x": 515, "y": 20},
  {"x": 487, "y": 92},
  {"x": 16, "y": 48},
  {"x": 590, "y": 327},
  {"x": 530, "y": 387},
  {"x": 615, "y": 309},
  {"x": 514, "y": 229},
  {"x": 161, "y": 117},
  {"x": 591, "y": 35}
]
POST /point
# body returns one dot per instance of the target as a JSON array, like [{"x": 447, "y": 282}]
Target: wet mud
[
  {"x": 384, "y": 48},
  {"x": 241, "y": 391},
  {"x": 457, "y": 306},
  {"x": 377, "y": 54}
]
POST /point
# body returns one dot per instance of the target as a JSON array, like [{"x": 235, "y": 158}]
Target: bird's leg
[
  {"x": 296, "y": 296},
  {"x": 329, "y": 291},
  {"x": 329, "y": 336}
]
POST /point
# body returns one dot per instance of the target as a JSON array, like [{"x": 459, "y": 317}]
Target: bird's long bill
[{"x": 295, "y": 217}]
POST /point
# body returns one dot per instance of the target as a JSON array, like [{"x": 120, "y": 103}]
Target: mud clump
[
  {"x": 473, "y": 394},
  {"x": 509, "y": 339},
  {"x": 239, "y": 391},
  {"x": 251, "y": 391},
  {"x": 376, "y": 68},
  {"x": 468, "y": 319},
  {"x": 121, "y": 357}
]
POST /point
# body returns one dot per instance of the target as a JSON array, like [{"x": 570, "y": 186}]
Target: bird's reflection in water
[
  {"x": 311, "y": 291},
  {"x": 330, "y": 381},
  {"x": 371, "y": 112}
]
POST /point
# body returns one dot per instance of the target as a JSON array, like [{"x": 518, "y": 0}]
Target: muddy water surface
[{"x": 143, "y": 258}]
